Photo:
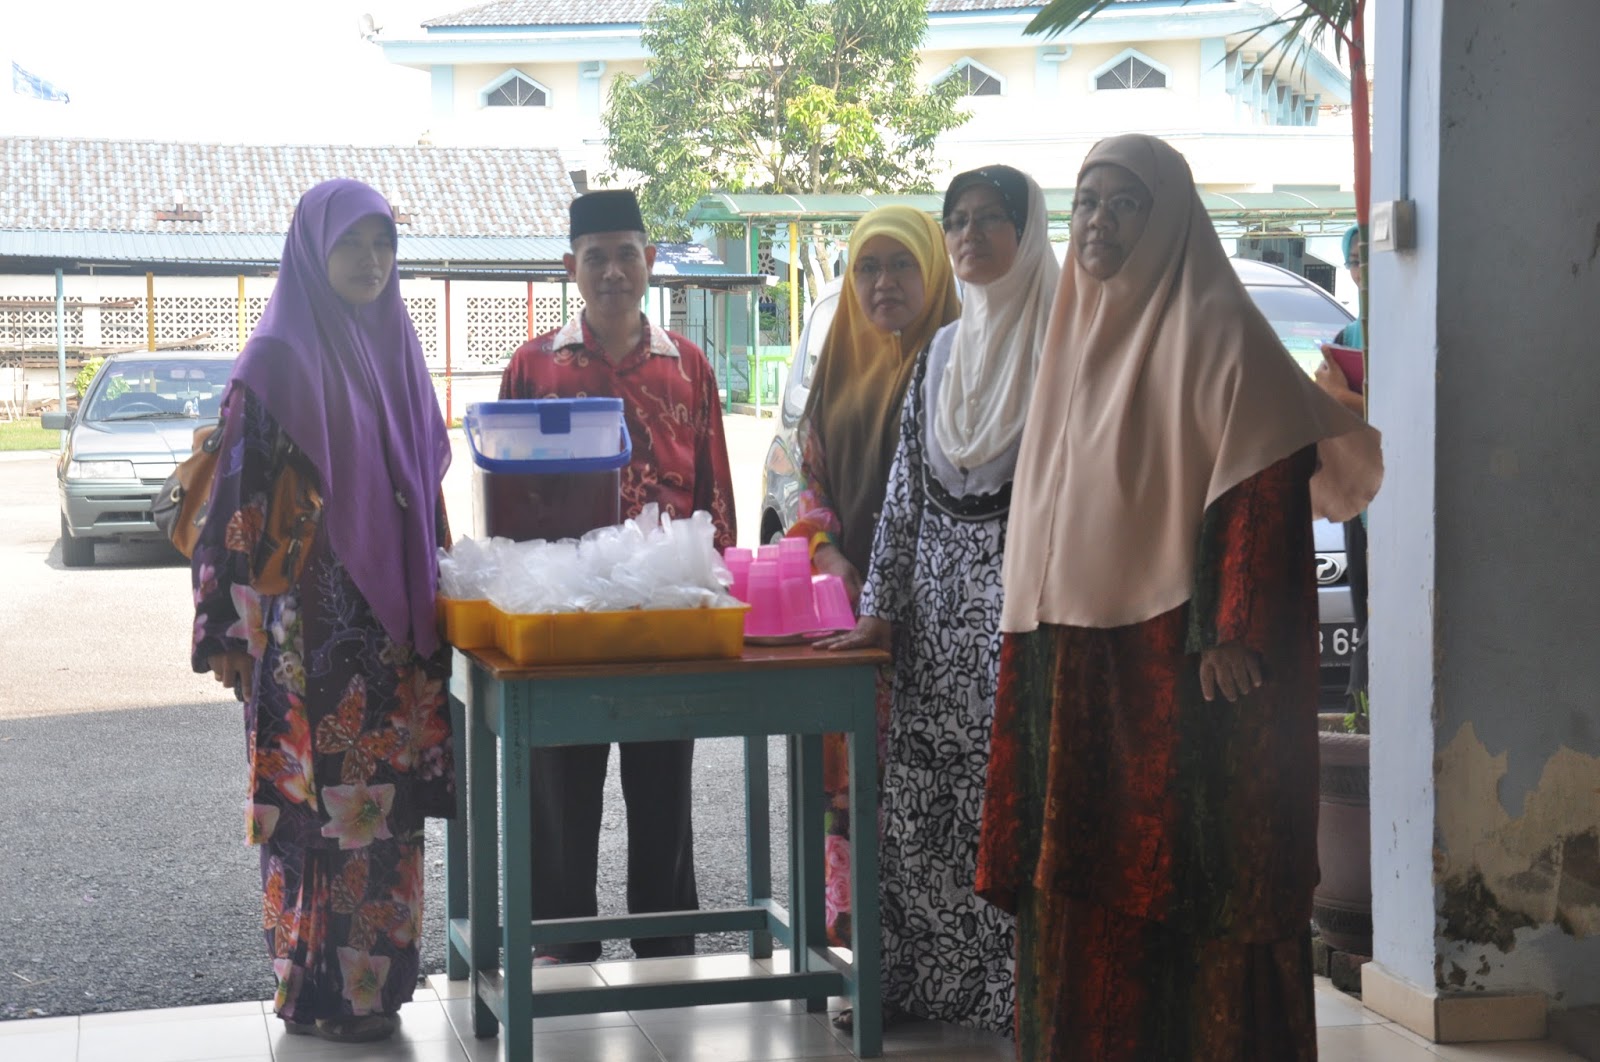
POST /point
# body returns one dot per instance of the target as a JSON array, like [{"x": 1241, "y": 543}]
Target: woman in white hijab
[
  {"x": 933, "y": 596},
  {"x": 1150, "y": 814}
]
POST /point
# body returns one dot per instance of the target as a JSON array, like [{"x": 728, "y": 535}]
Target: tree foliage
[{"x": 784, "y": 96}]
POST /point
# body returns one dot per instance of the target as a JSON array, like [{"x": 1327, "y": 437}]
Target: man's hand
[
  {"x": 236, "y": 670},
  {"x": 1231, "y": 669},
  {"x": 829, "y": 561},
  {"x": 870, "y": 633}
]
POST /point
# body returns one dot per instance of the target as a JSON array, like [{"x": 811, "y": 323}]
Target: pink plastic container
[
  {"x": 738, "y": 561},
  {"x": 833, "y": 603},
  {"x": 765, "y": 618}
]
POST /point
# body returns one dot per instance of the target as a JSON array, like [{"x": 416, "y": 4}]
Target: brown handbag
[
  {"x": 180, "y": 509},
  {"x": 294, "y": 512},
  {"x": 294, "y": 509}
]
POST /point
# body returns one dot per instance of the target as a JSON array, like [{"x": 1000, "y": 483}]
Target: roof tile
[{"x": 118, "y": 185}]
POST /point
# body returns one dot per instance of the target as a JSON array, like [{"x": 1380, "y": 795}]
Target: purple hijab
[{"x": 349, "y": 386}]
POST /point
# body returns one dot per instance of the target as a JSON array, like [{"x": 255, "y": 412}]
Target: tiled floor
[{"x": 437, "y": 1027}]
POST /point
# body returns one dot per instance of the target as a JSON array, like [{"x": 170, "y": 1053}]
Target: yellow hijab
[{"x": 863, "y": 372}]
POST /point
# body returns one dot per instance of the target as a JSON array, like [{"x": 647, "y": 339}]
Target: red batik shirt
[{"x": 669, "y": 398}]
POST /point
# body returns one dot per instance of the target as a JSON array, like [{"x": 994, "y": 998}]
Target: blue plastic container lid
[
  {"x": 562, "y": 409},
  {"x": 555, "y": 414}
]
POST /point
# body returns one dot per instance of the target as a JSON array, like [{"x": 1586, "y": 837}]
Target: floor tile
[
  {"x": 1336, "y": 1008},
  {"x": 1540, "y": 1051},
  {"x": 578, "y": 1045},
  {"x": 445, "y": 988},
  {"x": 772, "y": 1037},
  {"x": 57, "y": 1045},
  {"x": 929, "y": 1040},
  {"x": 687, "y": 968},
  {"x": 308, "y": 1049},
  {"x": 420, "y": 1023},
  {"x": 37, "y": 1026},
  {"x": 647, "y": 1019},
  {"x": 138, "y": 1017},
  {"x": 459, "y": 1011},
  {"x": 177, "y": 1040},
  {"x": 1368, "y": 1043},
  {"x": 566, "y": 976}
]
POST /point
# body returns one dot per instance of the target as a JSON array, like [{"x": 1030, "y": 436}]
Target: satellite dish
[{"x": 369, "y": 28}]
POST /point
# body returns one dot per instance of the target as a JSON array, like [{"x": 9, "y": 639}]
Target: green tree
[{"x": 777, "y": 96}]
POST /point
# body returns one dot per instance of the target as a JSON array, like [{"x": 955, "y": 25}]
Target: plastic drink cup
[
  {"x": 768, "y": 552},
  {"x": 832, "y": 603},
  {"x": 799, "y": 603},
  {"x": 765, "y": 618},
  {"x": 738, "y": 561},
  {"x": 794, "y": 559}
]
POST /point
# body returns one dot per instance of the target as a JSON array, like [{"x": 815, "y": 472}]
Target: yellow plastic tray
[
  {"x": 468, "y": 624},
  {"x": 619, "y": 637}
]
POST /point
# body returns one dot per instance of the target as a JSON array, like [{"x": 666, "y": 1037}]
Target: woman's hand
[
  {"x": 1331, "y": 378},
  {"x": 1336, "y": 384},
  {"x": 236, "y": 670},
  {"x": 829, "y": 561},
  {"x": 1231, "y": 669},
  {"x": 870, "y": 633}
]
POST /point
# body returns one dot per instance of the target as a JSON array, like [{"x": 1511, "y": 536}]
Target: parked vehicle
[
  {"x": 128, "y": 434},
  {"x": 1304, "y": 316}
]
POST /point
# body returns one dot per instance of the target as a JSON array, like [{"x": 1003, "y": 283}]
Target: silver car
[
  {"x": 1304, "y": 316},
  {"x": 130, "y": 431}
]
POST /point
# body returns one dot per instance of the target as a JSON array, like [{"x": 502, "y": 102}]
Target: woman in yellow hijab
[{"x": 898, "y": 292}]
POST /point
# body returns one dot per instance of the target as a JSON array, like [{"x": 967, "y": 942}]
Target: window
[
  {"x": 975, "y": 79},
  {"x": 1129, "y": 71},
  {"x": 516, "y": 90}
]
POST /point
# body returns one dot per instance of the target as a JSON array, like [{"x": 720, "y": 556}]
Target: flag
[{"x": 26, "y": 84}]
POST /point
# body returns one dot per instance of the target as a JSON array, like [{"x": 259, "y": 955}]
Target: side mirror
[{"x": 55, "y": 421}]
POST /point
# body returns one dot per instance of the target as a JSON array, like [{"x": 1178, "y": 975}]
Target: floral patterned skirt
[{"x": 343, "y": 927}]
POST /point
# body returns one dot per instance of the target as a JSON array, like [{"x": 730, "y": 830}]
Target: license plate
[{"x": 1337, "y": 642}]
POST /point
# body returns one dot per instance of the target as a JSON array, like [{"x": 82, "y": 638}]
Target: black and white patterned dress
[{"x": 935, "y": 574}]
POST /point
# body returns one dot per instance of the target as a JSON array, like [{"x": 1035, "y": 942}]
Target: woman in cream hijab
[
  {"x": 897, "y": 294},
  {"x": 933, "y": 596},
  {"x": 1151, "y": 806}
]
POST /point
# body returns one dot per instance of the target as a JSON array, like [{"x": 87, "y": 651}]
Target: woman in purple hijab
[{"x": 343, "y": 676}]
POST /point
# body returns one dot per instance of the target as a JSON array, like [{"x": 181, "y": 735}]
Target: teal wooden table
[{"x": 503, "y": 711}]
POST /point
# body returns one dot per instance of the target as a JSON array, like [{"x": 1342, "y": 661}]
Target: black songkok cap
[{"x": 613, "y": 210}]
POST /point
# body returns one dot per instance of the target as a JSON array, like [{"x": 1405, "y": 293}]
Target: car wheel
[{"x": 75, "y": 552}]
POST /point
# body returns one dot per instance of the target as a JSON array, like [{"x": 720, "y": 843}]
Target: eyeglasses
[
  {"x": 899, "y": 266},
  {"x": 986, "y": 222},
  {"x": 1121, "y": 206}
]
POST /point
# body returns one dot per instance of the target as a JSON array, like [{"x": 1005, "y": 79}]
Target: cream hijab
[
  {"x": 988, "y": 380},
  {"x": 1159, "y": 390}
]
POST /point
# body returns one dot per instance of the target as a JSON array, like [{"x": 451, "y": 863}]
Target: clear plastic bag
[{"x": 650, "y": 562}]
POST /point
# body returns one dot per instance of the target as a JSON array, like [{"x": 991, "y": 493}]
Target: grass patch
[{"x": 27, "y": 435}]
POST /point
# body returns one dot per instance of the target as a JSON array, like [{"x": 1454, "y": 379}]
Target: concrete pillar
[{"x": 1485, "y": 610}]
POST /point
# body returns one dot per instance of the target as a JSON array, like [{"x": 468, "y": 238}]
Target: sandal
[
  {"x": 845, "y": 1020},
  {"x": 366, "y": 1029}
]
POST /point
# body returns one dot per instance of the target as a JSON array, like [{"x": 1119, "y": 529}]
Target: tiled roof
[
  {"x": 117, "y": 186},
  {"x": 547, "y": 13}
]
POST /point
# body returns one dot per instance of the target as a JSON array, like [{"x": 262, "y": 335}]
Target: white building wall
[{"x": 1485, "y": 678}]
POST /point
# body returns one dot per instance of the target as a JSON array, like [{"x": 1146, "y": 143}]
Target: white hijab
[{"x": 983, "y": 398}]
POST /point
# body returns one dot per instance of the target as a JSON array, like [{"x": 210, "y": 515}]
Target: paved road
[{"x": 124, "y": 882}]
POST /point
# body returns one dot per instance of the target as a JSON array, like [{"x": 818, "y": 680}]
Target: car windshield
[
  {"x": 1303, "y": 319},
  {"x": 158, "y": 390}
]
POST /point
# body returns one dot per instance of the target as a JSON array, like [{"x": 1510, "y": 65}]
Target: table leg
[
  {"x": 483, "y": 901},
  {"x": 758, "y": 836},
  {"x": 516, "y": 878},
  {"x": 455, "y": 840},
  {"x": 865, "y": 936},
  {"x": 808, "y": 927}
]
